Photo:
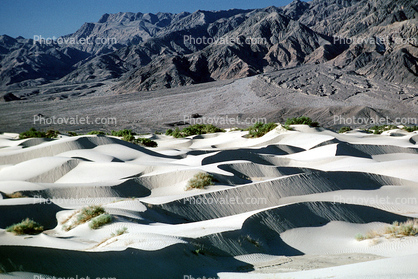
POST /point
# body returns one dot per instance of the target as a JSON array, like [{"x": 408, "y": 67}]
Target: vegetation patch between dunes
[
  {"x": 27, "y": 226},
  {"x": 197, "y": 129},
  {"x": 396, "y": 230},
  {"x": 200, "y": 181},
  {"x": 95, "y": 213},
  {"x": 260, "y": 129}
]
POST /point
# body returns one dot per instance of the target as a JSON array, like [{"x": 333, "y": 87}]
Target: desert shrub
[
  {"x": 287, "y": 127},
  {"x": 100, "y": 220},
  {"x": 84, "y": 215},
  {"x": 33, "y": 133},
  {"x": 359, "y": 237},
  {"x": 90, "y": 212},
  {"x": 27, "y": 226},
  {"x": 146, "y": 142},
  {"x": 380, "y": 129},
  {"x": 72, "y": 134},
  {"x": 200, "y": 181},
  {"x": 141, "y": 141},
  {"x": 15, "y": 195},
  {"x": 197, "y": 129},
  {"x": 259, "y": 129},
  {"x": 344, "y": 129},
  {"x": 119, "y": 232},
  {"x": 129, "y": 138},
  {"x": 176, "y": 133},
  {"x": 122, "y": 133},
  {"x": 51, "y": 134},
  {"x": 301, "y": 120},
  {"x": 99, "y": 133},
  {"x": 253, "y": 241},
  {"x": 410, "y": 129},
  {"x": 407, "y": 228}
]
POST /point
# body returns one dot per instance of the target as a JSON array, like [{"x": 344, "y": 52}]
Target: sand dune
[{"x": 286, "y": 205}]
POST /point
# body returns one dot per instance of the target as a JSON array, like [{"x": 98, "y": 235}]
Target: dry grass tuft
[
  {"x": 200, "y": 181},
  {"x": 396, "y": 230}
]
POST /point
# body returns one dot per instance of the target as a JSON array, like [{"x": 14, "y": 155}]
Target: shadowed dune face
[{"x": 272, "y": 200}]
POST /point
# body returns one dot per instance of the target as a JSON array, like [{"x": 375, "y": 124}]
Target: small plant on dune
[
  {"x": 141, "y": 141},
  {"x": 72, "y": 134},
  {"x": 407, "y": 228},
  {"x": 301, "y": 120},
  {"x": 397, "y": 229},
  {"x": 90, "y": 212},
  {"x": 253, "y": 241},
  {"x": 176, "y": 133},
  {"x": 100, "y": 221},
  {"x": 146, "y": 142},
  {"x": 98, "y": 133},
  {"x": 128, "y": 138},
  {"x": 287, "y": 127},
  {"x": 259, "y": 129},
  {"x": 168, "y": 132},
  {"x": 122, "y": 133},
  {"x": 15, "y": 195},
  {"x": 359, "y": 237},
  {"x": 197, "y": 129},
  {"x": 33, "y": 133},
  {"x": 85, "y": 215},
  {"x": 27, "y": 226},
  {"x": 377, "y": 130},
  {"x": 200, "y": 181},
  {"x": 199, "y": 249},
  {"x": 410, "y": 129},
  {"x": 51, "y": 134},
  {"x": 344, "y": 129},
  {"x": 119, "y": 232}
]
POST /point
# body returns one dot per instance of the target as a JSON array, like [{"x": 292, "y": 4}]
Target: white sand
[{"x": 286, "y": 205}]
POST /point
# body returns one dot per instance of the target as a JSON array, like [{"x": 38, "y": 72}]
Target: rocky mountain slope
[{"x": 375, "y": 39}]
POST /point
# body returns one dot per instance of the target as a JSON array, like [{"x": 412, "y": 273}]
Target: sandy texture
[{"x": 286, "y": 205}]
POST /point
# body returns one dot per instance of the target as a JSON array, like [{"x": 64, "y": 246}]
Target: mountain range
[{"x": 375, "y": 39}]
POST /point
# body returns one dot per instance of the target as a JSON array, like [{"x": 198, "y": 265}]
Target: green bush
[
  {"x": 27, "y": 226},
  {"x": 344, "y": 129},
  {"x": 287, "y": 127},
  {"x": 146, "y": 142},
  {"x": 129, "y": 138},
  {"x": 99, "y": 133},
  {"x": 197, "y": 129},
  {"x": 72, "y": 134},
  {"x": 89, "y": 212},
  {"x": 410, "y": 129},
  {"x": 141, "y": 141},
  {"x": 122, "y": 133},
  {"x": 259, "y": 129},
  {"x": 119, "y": 232},
  {"x": 85, "y": 215},
  {"x": 301, "y": 120},
  {"x": 408, "y": 228},
  {"x": 380, "y": 129},
  {"x": 100, "y": 220},
  {"x": 200, "y": 181},
  {"x": 33, "y": 133}
]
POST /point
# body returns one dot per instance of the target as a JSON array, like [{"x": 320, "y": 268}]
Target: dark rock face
[{"x": 375, "y": 39}]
